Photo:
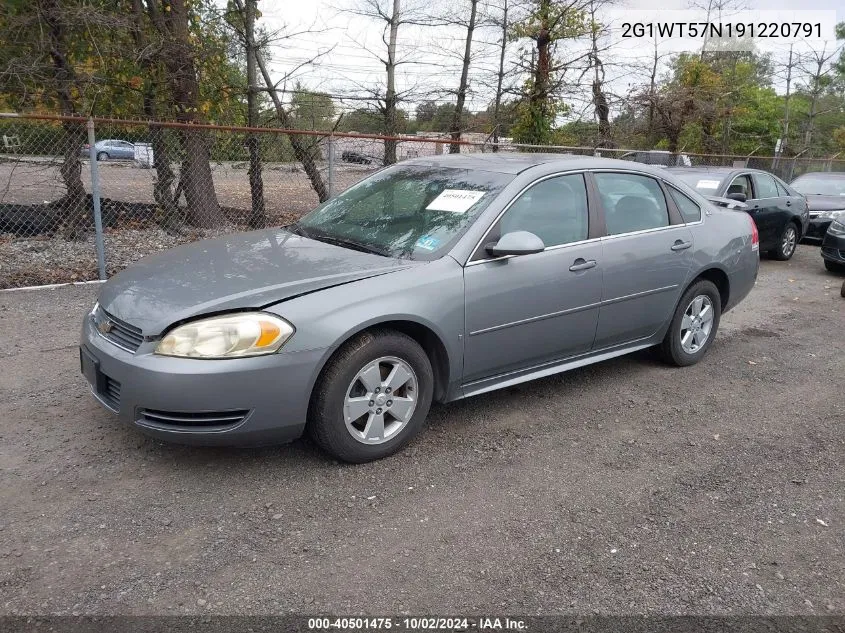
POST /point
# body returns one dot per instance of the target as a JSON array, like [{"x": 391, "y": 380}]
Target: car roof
[{"x": 517, "y": 162}]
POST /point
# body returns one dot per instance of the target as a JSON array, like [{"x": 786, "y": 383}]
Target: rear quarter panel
[{"x": 723, "y": 241}]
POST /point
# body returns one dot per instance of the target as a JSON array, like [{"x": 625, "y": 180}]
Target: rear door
[
  {"x": 769, "y": 209},
  {"x": 646, "y": 257}
]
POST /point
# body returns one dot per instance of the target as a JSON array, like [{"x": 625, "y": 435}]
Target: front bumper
[
  {"x": 833, "y": 248},
  {"x": 233, "y": 402},
  {"x": 816, "y": 230}
]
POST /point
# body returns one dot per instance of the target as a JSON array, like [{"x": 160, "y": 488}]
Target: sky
[{"x": 346, "y": 47}]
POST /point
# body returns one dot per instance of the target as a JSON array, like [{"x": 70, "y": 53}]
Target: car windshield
[
  {"x": 820, "y": 185},
  {"x": 409, "y": 211},
  {"x": 702, "y": 182}
]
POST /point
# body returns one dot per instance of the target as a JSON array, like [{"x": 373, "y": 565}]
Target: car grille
[
  {"x": 111, "y": 393},
  {"x": 118, "y": 332},
  {"x": 193, "y": 418}
]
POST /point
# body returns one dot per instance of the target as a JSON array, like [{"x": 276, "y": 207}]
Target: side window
[
  {"x": 631, "y": 202},
  {"x": 783, "y": 190},
  {"x": 741, "y": 184},
  {"x": 555, "y": 210},
  {"x": 689, "y": 209},
  {"x": 766, "y": 186}
]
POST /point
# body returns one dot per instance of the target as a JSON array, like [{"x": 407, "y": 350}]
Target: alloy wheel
[
  {"x": 696, "y": 324},
  {"x": 380, "y": 400},
  {"x": 790, "y": 239}
]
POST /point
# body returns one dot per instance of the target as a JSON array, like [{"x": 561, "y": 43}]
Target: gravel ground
[{"x": 625, "y": 487}]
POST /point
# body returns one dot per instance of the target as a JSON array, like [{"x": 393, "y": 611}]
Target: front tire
[
  {"x": 102, "y": 156},
  {"x": 787, "y": 243},
  {"x": 693, "y": 326},
  {"x": 372, "y": 397}
]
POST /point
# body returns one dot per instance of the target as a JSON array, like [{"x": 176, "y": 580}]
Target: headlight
[
  {"x": 836, "y": 228},
  {"x": 228, "y": 336},
  {"x": 830, "y": 214}
]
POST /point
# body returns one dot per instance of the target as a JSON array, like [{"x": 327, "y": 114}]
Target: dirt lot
[{"x": 626, "y": 487}]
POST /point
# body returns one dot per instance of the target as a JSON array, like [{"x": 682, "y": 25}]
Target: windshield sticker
[
  {"x": 455, "y": 200},
  {"x": 707, "y": 184},
  {"x": 428, "y": 243}
]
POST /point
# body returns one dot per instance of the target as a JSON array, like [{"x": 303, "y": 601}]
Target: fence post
[
  {"x": 331, "y": 166},
  {"x": 95, "y": 196}
]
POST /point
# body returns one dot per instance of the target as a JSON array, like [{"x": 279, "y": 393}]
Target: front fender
[{"x": 431, "y": 295}]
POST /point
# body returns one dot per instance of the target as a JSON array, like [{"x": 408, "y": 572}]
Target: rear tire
[
  {"x": 359, "y": 371},
  {"x": 693, "y": 329},
  {"x": 834, "y": 267},
  {"x": 787, "y": 243}
]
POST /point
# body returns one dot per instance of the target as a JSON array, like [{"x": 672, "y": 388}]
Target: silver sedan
[{"x": 433, "y": 280}]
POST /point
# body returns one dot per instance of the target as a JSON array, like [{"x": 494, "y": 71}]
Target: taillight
[{"x": 755, "y": 235}]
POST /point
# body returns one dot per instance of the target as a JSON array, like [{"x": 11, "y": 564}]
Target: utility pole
[{"x": 786, "y": 102}]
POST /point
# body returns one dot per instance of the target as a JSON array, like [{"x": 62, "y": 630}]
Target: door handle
[
  {"x": 788, "y": 203},
  {"x": 680, "y": 245},
  {"x": 582, "y": 264}
]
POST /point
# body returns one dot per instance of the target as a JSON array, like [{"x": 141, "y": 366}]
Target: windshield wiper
[{"x": 345, "y": 242}]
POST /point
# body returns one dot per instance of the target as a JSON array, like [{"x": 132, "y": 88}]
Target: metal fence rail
[{"x": 80, "y": 199}]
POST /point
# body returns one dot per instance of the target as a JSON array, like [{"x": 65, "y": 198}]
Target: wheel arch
[
  {"x": 424, "y": 334},
  {"x": 720, "y": 279}
]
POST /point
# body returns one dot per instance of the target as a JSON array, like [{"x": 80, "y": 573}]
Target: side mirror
[
  {"x": 739, "y": 197},
  {"x": 516, "y": 243}
]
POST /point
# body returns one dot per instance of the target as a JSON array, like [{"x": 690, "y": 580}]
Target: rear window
[
  {"x": 689, "y": 209},
  {"x": 706, "y": 184}
]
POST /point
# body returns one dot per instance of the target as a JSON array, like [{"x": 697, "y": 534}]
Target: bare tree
[
  {"x": 391, "y": 15},
  {"x": 819, "y": 67},
  {"x": 455, "y": 128},
  {"x": 500, "y": 75},
  {"x": 302, "y": 149}
]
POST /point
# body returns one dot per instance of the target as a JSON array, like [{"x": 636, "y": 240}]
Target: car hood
[
  {"x": 246, "y": 270},
  {"x": 825, "y": 203}
]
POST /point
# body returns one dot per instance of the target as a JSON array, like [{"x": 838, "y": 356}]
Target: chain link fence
[{"x": 151, "y": 186}]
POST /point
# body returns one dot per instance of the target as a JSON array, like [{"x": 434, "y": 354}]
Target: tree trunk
[
  {"x": 390, "y": 96},
  {"x": 74, "y": 201},
  {"x": 602, "y": 109},
  {"x": 178, "y": 57},
  {"x": 500, "y": 77},
  {"x": 171, "y": 218},
  {"x": 258, "y": 214},
  {"x": 454, "y": 148}
]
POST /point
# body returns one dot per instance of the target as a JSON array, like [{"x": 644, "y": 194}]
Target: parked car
[
  {"x": 108, "y": 149},
  {"x": 658, "y": 157},
  {"x": 833, "y": 246},
  {"x": 780, "y": 212},
  {"x": 356, "y": 157},
  {"x": 432, "y": 280},
  {"x": 825, "y": 193}
]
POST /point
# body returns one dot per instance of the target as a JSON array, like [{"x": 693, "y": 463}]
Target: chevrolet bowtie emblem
[{"x": 105, "y": 326}]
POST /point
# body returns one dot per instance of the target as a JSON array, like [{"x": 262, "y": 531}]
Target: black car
[
  {"x": 356, "y": 157},
  {"x": 779, "y": 211},
  {"x": 825, "y": 193},
  {"x": 833, "y": 246}
]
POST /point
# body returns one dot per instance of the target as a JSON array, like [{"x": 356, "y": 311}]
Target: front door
[{"x": 525, "y": 310}]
